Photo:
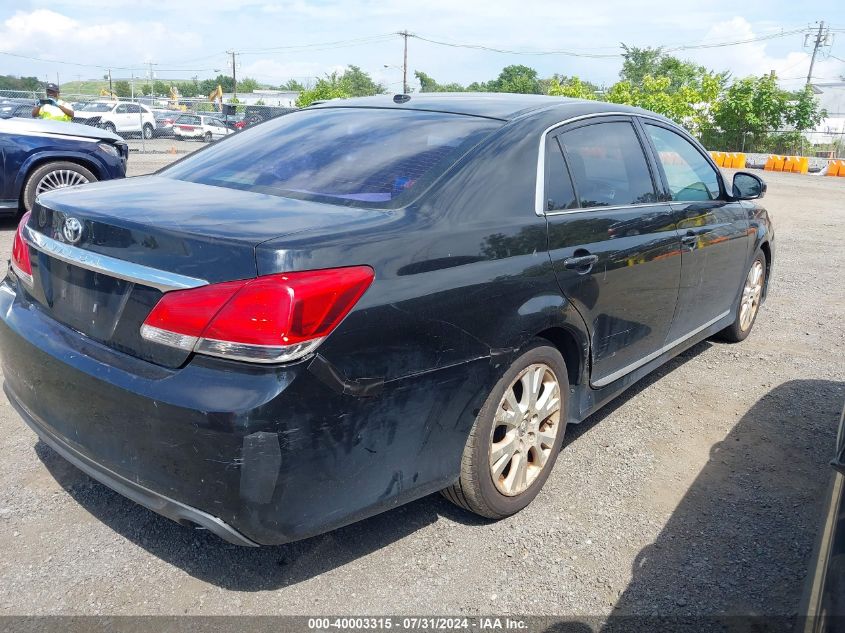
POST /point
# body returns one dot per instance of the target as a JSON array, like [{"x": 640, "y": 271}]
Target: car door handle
[
  {"x": 581, "y": 264},
  {"x": 689, "y": 239}
]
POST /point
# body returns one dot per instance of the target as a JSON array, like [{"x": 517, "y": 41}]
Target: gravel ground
[{"x": 699, "y": 491}]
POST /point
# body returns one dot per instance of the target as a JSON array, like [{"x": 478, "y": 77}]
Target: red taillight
[
  {"x": 275, "y": 318},
  {"x": 21, "y": 263}
]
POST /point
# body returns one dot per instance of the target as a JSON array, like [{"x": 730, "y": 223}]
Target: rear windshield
[{"x": 355, "y": 156}]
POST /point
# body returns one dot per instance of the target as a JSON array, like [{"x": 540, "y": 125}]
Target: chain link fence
[
  {"x": 149, "y": 124},
  {"x": 818, "y": 143}
]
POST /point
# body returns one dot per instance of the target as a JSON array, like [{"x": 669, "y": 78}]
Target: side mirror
[{"x": 748, "y": 186}]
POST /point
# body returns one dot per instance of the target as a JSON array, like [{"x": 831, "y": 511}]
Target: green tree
[
  {"x": 571, "y": 87},
  {"x": 11, "y": 82},
  {"x": 160, "y": 88},
  {"x": 638, "y": 63},
  {"x": 293, "y": 85},
  {"x": 687, "y": 106},
  {"x": 208, "y": 85},
  {"x": 189, "y": 88},
  {"x": 804, "y": 111},
  {"x": 247, "y": 84},
  {"x": 324, "y": 89},
  {"x": 752, "y": 105},
  {"x": 516, "y": 78},
  {"x": 122, "y": 88},
  {"x": 428, "y": 84},
  {"x": 356, "y": 83}
]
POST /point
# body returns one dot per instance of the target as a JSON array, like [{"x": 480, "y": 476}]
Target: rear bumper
[
  {"x": 258, "y": 455},
  {"x": 154, "y": 501}
]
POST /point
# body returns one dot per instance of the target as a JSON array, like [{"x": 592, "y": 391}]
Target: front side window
[
  {"x": 354, "y": 156},
  {"x": 689, "y": 175},
  {"x": 608, "y": 165}
]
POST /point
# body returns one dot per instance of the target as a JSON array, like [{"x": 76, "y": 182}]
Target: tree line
[
  {"x": 745, "y": 113},
  {"x": 726, "y": 112}
]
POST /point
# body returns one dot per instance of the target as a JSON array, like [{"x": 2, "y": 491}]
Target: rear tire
[
  {"x": 517, "y": 436},
  {"x": 748, "y": 305},
  {"x": 52, "y": 176}
]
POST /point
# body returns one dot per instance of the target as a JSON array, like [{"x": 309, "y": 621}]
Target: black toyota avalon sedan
[{"x": 370, "y": 300}]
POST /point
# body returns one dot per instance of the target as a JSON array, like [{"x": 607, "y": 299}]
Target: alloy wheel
[
  {"x": 525, "y": 428},
  {"x": 751, "y": 293},
  {"x": 58, "y": 179}
]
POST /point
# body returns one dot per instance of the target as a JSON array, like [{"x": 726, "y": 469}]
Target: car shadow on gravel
[
  {"x": 739, "y": 541},
  {"x": 210, "y": 559}
]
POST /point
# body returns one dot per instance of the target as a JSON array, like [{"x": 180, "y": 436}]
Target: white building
[
  {"x": 831, "y": 97},
  {"x": 280, "y": 98}
]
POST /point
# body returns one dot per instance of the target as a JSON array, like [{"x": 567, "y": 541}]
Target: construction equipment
[{"x": 217, "y": 95}]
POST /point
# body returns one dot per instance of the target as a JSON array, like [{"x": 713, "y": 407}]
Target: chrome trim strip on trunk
[
  {"x": 646, "y": 359},
  {"x": 111, "y": 266}
]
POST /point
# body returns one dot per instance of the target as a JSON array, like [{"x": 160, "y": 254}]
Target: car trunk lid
[{"x": 104, "y": 254}]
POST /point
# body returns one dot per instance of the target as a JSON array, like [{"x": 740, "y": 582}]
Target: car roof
[{"x": 504, "y": 106}]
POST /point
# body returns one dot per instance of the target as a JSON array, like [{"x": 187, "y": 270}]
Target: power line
[
  {"x": 585, "y": 54},
  {"x": 492, "y": 49}
]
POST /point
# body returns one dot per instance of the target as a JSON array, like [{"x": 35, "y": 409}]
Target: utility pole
[
  {"x": 234, "y": 75},
  {"x": 405, "y": 35},
  {"x": 110, "y": 90},
  {"x": 151, "y": 77},
  {"x": 821, "y": 37}
]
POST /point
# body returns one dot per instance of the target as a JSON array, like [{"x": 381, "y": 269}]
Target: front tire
[
  {"x": 148, "y": 131},
  {"x": 208, "y": 137},
  {"x": 749, "y": 302},
  {"x": 109, "y": 127},
  {"x": 517, "y": 436},
  {"x": 51, "y": 176}
]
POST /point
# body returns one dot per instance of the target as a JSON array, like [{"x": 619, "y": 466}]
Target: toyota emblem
[{"x": 72, "y": 230}]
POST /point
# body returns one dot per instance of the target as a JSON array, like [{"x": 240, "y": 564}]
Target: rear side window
[
  {"x": 608, "y": 166},
  {"x": 355, "y": 156},
  {"x": 689, "y": 175},
  {"x": 559, "y": 192}
]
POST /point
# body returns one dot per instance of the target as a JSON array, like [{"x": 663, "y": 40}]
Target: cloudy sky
[{"x": 279, "y": 40}]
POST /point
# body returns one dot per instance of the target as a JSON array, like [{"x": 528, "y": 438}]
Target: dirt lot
[{"x": 697, "y": 492}]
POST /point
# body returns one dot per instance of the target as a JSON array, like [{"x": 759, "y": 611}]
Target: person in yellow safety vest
[{"x": 52, "y": 107}]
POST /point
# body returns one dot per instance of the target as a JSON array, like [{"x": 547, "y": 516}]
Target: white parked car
[
  {"x": 120, "y": 117},
  {"x": 201, "y": 126}
]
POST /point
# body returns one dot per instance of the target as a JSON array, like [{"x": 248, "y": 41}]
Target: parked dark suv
[{"x": 370, "y": 300}]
